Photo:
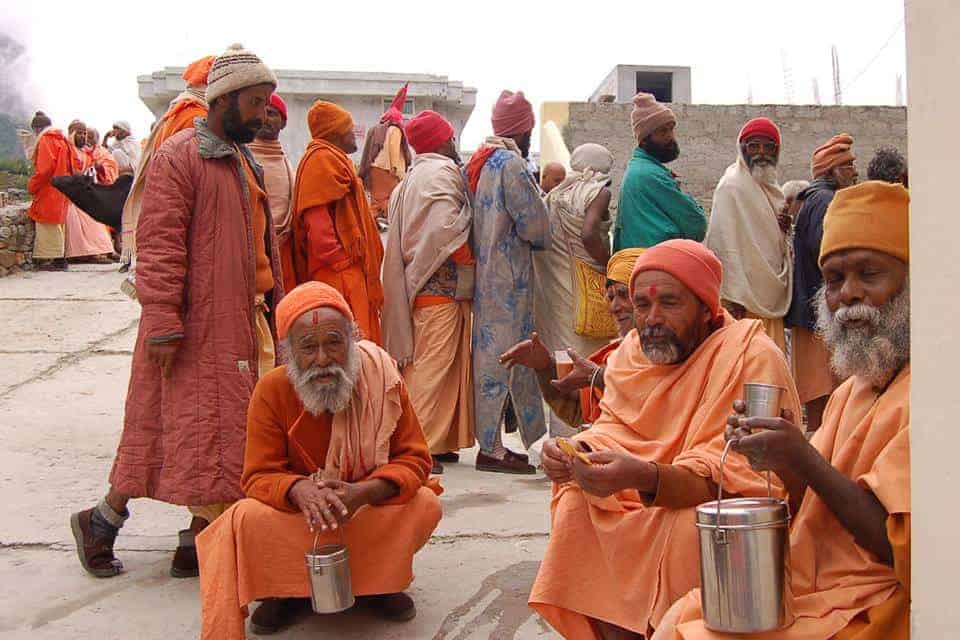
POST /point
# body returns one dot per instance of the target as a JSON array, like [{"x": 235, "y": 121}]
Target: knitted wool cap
[
  {"x": 307, "y": 297},
  {"x": 691, "y": 263},
  {"x": 871, "y": 215},
  {"x": 235, "y": 69},
  {"x": 648, "y": 115}
]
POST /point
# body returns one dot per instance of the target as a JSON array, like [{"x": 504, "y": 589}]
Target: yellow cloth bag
[{"x": 592, "y": 319}]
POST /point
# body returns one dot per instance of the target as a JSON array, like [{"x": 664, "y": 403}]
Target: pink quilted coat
[{"x": 183, "y": 436}]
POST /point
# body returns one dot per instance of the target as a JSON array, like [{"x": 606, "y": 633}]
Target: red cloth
[
  {"x": 691, "y": 263},
  {"x": 394, "y": 114},
  {"x": 475, "y": 166},
  {"x": 307, "y": 297},
  {"x": 512, "y": 114},
  {"x": 322, "y": 247},
  {"x": 427, "y": 131},
  {"x": 760, "y": 127},
  {"x": 277, "y": 103},
  {"x": 196, "y": 72}
]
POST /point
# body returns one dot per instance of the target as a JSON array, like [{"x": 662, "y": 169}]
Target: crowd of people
[{"x": 291, "y": 368}]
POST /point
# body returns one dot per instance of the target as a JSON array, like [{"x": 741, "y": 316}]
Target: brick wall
[
  {"x": 707, "y": 135},
  {"x": 16, "y": 239}
]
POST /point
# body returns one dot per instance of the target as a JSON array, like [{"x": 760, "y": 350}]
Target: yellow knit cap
[
  {"x": 620, "y": 266},
  {"x": 871, "y": 215}
]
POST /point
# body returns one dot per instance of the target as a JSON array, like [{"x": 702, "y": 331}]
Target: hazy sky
[{"x": 85, "y": 64}]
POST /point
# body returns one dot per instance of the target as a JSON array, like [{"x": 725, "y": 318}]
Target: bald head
[{"x": 551, "y": 176}]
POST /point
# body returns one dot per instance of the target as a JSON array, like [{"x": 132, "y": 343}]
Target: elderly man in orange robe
[
  {"x": 335, "y": 238},
  {"x": 333, "y": 448},
  {"x": 190, "y": 104},
  {"x": 623, "y": 541},
  {"x": 849, "y": 486}
]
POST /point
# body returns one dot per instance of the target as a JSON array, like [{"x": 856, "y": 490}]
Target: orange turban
[
  {"x": 327, "y": 119},
  {"x": 196, "y": 72},
  {"x": 307, "y": 297},
  {"x": 620, "y": 265},
  {"x": 833, "y": 153},
  {"x": 691, "y": 263},
  {"x": 871, "y": 215}
]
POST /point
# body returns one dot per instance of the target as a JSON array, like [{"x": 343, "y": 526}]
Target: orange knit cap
[
  {"x": 327, "y": 119},
  {"x": 691, "y": 263},
  {"x": 307, "y": 297},
  {"x": 833, "y": 153},
  {"x": 196, "y": 72},
  {"x": 871, "y": 215}
]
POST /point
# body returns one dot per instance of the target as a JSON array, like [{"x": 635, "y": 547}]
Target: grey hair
[{"x": 793, "y": 188}]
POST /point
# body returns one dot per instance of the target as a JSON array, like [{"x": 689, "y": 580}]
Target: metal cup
[{"x": 763, "y": 400}]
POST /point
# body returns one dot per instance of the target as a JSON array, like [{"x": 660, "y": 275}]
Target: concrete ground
[{"x": 67, "y": 353}]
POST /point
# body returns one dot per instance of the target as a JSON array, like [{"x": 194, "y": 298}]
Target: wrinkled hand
[
  {"x": 556, "y": 464},
  {"x": 351, "y": 494},
  {"x": 612, "y": 471},
  {"x": 163, "y": 355},
  {"x": 769, "y": 444},
  {"x": 531, "y": 353},
  {"x": 320, "y": 504},
  {"x": 578, "y": 378}
]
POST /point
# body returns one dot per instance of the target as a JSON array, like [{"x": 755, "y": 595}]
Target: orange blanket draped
[
  {"x": 840, "y": 590},
  {"x": 618, "y": 559},
  {"x": 327, "y": 176},
  {"x": 256, "y": 549}
]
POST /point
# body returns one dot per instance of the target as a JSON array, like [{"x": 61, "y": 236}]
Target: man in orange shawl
[
  {"x": 386, "y": 155},
  {"x": 278, "y": 177},
  {"x": 332, "y": 438},
  {"x": 53, "y": 156},
  {"x": 623, "y": 541},
  {"x": 88, "y": 241},
  {"x": 575, "y": 397},
  {"x": 334, "y": 236},
  {"x": 849, "y": 486},
  {"x": 183, "y": 110}
]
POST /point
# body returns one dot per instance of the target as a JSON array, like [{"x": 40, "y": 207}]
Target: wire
[{"x": 875, "y": 57}]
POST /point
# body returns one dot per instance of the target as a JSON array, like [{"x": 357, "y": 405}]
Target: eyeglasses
[{"x": 767, "y": 148}]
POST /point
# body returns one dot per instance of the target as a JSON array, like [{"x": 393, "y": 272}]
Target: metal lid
[
  {"x": 743, "y": 512},
  {"x": 326, "y": 555}
]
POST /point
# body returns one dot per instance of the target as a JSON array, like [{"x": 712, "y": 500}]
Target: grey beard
[
  {"x": 876, "y": 351},
  {"x": 331, "y": 397},
  {"x": 764, "y": 173},
  {"x": 660, "y": 354}
]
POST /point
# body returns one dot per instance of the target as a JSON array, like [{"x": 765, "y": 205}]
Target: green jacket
[{"x": 652, "y": 207}]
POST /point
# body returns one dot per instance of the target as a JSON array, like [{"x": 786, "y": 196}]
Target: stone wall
[
  {"x": 16, "y": 239},
  {"x": 707, "y": 135}
]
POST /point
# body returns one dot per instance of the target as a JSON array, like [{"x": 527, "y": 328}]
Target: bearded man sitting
[
  {"x": 849, "y": 486},
  {"x": 623, "y": 541},
  {"x": 331, "y": 439}
]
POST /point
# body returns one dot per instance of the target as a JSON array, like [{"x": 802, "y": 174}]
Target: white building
[
  {"x": 365, "y": 95},
  {"x": 668, "y": 84}
]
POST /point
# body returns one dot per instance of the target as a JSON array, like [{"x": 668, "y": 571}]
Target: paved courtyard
[{"x": 66, "y": 362}]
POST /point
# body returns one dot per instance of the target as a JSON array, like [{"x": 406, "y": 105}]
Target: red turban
[
  {"x": 394, "y": 113},
  {"x": 427, "y": 131},
  {"x": 691, "y": 263},
  {"x": 195, "y": 75},
  {"x": 512, "y": 114},
  {"x": 307, "y": 297},
  {"x": 760, "y": 127},
  {"x": 277, "y": 103}
]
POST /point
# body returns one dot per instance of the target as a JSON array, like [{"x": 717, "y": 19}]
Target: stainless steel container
[
  {"x": 744, "y": 562},
  {"x": 331, "y": 589},
  {"x": 762, "y": 400}
]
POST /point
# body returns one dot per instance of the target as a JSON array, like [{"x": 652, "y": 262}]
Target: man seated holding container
[
  {"x": 331, "y": 438},
  {"x": 850, "y": 485},
  {"x": 623, "y": 543}
]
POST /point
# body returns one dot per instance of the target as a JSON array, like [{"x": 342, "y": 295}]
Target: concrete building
[
  {"x": 668, "y": 84},
  {"x": 365, "y": 95}
]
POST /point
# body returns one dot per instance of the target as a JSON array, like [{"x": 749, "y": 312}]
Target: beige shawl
[
  {"x": 360, "y": 436},
  {"x": 745, "y": 235},
  {"x": 278, "y": 177},
  {"x": 430, "y": 218}
]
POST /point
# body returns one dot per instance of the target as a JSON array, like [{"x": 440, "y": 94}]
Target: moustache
[
  {"x": 656, "y": 332},
  {"x": 856, "y": 313},
  {"x": 335, "y": 371}
]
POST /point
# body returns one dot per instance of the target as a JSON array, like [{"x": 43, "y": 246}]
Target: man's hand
[
  {"x": 531, "y": 353},
  {"x": 556, "y": 464},
  {"x": 353, "y": 495},
  {"x": 769, "y": 444},
  {"x": 785, "y": 222},
  {"x": 320, "y": 505},
  {"x": 612, "y": 471},
  {"x": 578, "y": 378},
  {"x": 163, "y": 354}
]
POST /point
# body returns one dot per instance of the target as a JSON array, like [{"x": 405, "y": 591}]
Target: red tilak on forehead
[
  {"x": 652, "y": 291},
  {"x": 316, "y": 317}
]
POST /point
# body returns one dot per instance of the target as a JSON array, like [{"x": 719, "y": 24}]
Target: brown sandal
[{"x": 96, "y": 554}]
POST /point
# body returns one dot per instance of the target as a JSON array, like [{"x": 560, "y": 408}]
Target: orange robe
[
  {"x": 840, "y": 590},
  {"x": 626, "y": 558},
  {"x": 53, "y": 156},
  {"x": 256, "y": 549},
  {"x": 353, "y": 253}
]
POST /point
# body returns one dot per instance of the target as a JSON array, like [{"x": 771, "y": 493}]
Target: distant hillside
[{"x": 10, "y": 148}]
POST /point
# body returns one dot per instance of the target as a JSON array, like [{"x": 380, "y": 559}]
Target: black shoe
[
  {"x": 397, "y": 607},
  {"x": 274, "y": 614},
  {"x": 450, "y": 456},
  {"x": 511, "y": 463},
  {"x": 437, "y": 467}
]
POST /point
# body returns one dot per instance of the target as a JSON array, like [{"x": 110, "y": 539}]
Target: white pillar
[{"x": 933, "y": 59}]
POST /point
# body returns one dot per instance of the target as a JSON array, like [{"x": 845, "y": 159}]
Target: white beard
[
  {"x": 764, "y": 173},
  {"x": 331, "y": 397}
]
